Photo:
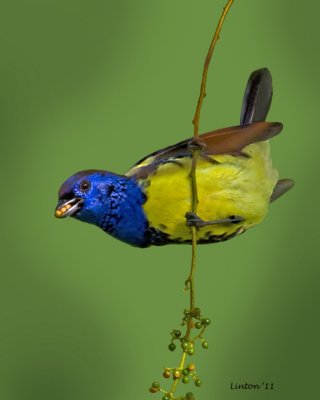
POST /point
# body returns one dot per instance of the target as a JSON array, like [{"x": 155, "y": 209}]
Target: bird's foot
[{"x": 192, "y": 219}]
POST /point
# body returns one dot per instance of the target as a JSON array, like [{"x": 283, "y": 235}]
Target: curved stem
[
  {"x": 202, "y": 95},
  {"x": 196, "y": 149},
  {"x": 195, "y": 201}
]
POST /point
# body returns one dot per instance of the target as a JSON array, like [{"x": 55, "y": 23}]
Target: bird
[{"x": 150, "y": 205}]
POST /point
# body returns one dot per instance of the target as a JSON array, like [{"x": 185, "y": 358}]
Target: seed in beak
[{"x": 62, "y": 210}]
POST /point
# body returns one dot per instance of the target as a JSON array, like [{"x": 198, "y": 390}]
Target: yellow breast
[{"x": 235, "y": 185}]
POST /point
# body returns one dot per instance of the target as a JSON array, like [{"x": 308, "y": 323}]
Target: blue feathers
[{"x": 112, "y": 202}]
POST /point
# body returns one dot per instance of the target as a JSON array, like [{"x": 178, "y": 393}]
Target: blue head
[{"x": 112, "y": 202}]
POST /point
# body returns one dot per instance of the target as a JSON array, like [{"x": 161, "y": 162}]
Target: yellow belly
[{"x": 234, "y": 186}]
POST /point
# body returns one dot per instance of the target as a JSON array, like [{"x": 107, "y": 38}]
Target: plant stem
[
  {"x": 196, "y": 147},
  {"x": 195, "y": 201},
  {"x": 202, "y": 95},
  {"x": 181, "y": 366}
]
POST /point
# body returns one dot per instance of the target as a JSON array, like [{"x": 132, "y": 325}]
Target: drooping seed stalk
[
  {"x": 196, "y": 150},
  {"x": 193, "y": 180},
  {"x": 193, "y": 313}
]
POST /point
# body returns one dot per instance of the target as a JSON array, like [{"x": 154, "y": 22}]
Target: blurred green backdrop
[{"x": 99, "y": 84}]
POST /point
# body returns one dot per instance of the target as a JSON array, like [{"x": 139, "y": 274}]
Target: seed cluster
[{"x": 185, "y": 374}]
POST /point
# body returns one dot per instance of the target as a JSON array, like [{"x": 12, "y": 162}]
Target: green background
[{"x": 99, "y": 84}]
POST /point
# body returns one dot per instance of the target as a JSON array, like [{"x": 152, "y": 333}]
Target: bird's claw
[{"x": 192, "y": 219}]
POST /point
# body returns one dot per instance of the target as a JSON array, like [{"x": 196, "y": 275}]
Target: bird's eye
[{"x": 85, "y": 186}]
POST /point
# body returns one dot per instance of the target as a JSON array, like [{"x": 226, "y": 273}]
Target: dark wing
[
  {"x": 257, "y": 97},
  {"x": 255, "y": 106},
  {"x": 222, "y": 141}
]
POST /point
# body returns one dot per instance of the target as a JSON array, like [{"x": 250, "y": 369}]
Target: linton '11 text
[{"x": 252, "y": 386}]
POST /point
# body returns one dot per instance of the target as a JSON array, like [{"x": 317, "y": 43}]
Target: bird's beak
[{"x": 66, "y": 208}]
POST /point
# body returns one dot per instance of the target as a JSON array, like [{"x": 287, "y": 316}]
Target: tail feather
[
  {"x": 282, "y": 186},
  {"x": 257, "y": 97}
]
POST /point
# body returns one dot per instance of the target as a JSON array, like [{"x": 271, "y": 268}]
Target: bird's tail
[
  {"x": 255, "y": 107},
  {"x": 257, "y": 97}
]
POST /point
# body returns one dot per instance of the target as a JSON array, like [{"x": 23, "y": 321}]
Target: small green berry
[
  {"x": 184, "y": 345},
  {"x": 177, "y": 333},
  {"x": 185, "y": 379},
  {"x": 189, "y": 396},
  {"x": 185, "y": 372},
  {"x": 172, "y": 347},
  {"x": 198, "y": 325},
  {"x": 176, "y": 374},
  {"x": 155, "y": 385},
  {"x": 166, "y": 373},
  {"x": 205, "y": 321},
  {"x": 198, "y": 382},
  {"x": 165, "y": 397},
  {"x": 205, "y": 345},
  {"x": 191, "y": 367},
  {"x": 153, "y": 390},
  {"x": 191, "y": 351}
]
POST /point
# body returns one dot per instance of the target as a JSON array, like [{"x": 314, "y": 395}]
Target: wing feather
[{"x": 222, "y": 141}]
